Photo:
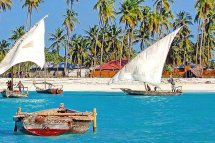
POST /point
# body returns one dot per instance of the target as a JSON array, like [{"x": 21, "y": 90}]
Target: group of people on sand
[{"x": 10, "y": 85}]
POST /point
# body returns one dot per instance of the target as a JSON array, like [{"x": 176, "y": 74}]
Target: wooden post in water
[
  {"x": 18, "y": 111},
  {"x": 94, "y": 119}
]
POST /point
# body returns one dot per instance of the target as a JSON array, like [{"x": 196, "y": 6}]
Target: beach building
[{"x": 108, "y": 69}]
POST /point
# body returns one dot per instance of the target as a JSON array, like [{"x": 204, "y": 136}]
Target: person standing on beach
[
  {"x": 9, "y": 85},
  {"x": 172, "y": 82},
  {"x": 20, "y": 86}
]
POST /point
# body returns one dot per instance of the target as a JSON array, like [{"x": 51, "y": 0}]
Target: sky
[{"x": 87, "y": 16}]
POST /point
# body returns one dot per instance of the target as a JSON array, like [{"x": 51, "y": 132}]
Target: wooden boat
[
  {"x": 150, "y": 93},
  {"x": 28, "y": 48},
  {"x": 52, "y": 88},
  {"x": 147, "y": 68},
  {"x": 15, "y": 93},
  {"x": 54, "y": 122}
]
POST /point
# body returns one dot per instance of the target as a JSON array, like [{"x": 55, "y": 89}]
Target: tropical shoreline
[{"x": 101, "y": 84}]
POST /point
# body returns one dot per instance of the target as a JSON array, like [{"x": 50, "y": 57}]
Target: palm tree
[
  {"x": 165, "y": 15},
  {"x": 131, "y": 14},
  {"x": 4, "y": 48},
  {"x": 69, "y": 23},
  {"x": 114, "y": 34},
  {"x": 5, "y": 4},
  {"x": 70, "y": 2},
  {"x": 210, "y": 37},
  {"x": 203, "y": 8},
  {"x": 17, "y": 34},
  {"x": 30, "y": 4},
  {"x": 106, "y": 14},
  {"x": 57, "y": 38},
  {"x": 144, "y": 31},
  {"x": 92, "y": 36},
  {"x": 184, "y": 43},
  {"x": 163, "y": 5},
  {"x": 155, "y": 20},
  {"x": 78, "y": 51}
]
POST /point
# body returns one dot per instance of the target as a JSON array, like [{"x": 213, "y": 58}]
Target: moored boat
[
  {"x": 28, "y": 48},
  {"x": 54, "y": 122},
  {"x": 151, "y": 93},
  {"x": 147, "y": 68},
  {"x": 15, "y": 93},
  {"x": 52, "y": 88}
]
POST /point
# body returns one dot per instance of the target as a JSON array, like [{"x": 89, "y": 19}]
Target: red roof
[{"x": 113, "y": 65}]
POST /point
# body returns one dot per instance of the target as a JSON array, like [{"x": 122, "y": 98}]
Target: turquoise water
[{"x": 187, "y": 118}]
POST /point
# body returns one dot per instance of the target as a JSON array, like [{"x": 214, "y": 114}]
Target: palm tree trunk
[
  {"x": 101, "y": 53},
  {"x": 201, "y": 44},
  {"x": 81, "y": 63},
  {"x": 121, "y": 49},
  {"x": 130, "y": 42},
  {"x": 30, "y": 19},
  {"x": 209, "y": 55},
  {"x": 204, "y": 43},
  {"x": 95, "y": 50},
  {"x": 101, "y": 58},
  {"x": 197, "y": 45},
  {"x": 66, "y": 52},
  {"x": 26, "y": 23},
  {"x": 71, "y": 2},
  {"x": 142, "y": 44}
]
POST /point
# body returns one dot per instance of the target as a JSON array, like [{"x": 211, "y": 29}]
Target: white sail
[
  {"x": 148, "y": 65},
  {"x": 30, "y": 47}
]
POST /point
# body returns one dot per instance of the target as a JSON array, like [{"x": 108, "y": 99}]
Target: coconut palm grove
[{"x": 124, "y": 29}]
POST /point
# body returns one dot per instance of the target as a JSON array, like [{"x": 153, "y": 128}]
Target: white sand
[{"x": 101, "y": 84}]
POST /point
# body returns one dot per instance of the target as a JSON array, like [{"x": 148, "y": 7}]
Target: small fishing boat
[
  {"x": 15, "y": 93},
  {"x": 151, "y": 93},
  {"x": 49, "y": 88},
  {"x": 147, "y": 67},
  {"x": 54, "y": 122},
  {"x": 28, "y": 48}
]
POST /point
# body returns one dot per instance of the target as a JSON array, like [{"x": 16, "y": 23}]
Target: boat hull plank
[
  {"x": 53, "y": 122},
  {"x": 49, "y": 91},
  {"x": 150, "y": 93},
  {"x": 14, "y": 94}
]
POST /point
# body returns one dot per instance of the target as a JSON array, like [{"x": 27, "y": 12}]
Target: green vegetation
[{"x": 139, "y": 25}]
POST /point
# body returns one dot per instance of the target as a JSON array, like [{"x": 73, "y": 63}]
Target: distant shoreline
[{"x": 101, "y": 84}]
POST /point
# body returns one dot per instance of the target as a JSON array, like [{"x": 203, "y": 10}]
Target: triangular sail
[
  {"x": 148, "y": 65},
  {"x": 30, "y": 47}
]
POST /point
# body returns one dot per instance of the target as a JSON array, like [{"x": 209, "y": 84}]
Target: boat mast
[
  {"x": 45, "y": 76},
  {"x": 12, "y": 79},
  {"x": 145, "y": 86}
]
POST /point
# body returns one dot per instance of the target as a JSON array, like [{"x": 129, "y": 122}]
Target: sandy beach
[{"x": 101, "y": 84}]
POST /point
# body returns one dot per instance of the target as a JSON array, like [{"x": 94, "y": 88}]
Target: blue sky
[{"x": 16, "y": 17}]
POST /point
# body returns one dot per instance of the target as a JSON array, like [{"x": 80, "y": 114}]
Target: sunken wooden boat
[
  {"x": 15, "y": 93},
  {"x": 49, "y": 88},
  {"x": 151, "y": 93},
  {"x": 54, "y": 122}
]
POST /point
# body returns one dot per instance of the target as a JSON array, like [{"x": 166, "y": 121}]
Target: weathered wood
[
  {"x": 54, "y": 121},
  {"x": 150, "y": 93},
  {"x": 58, "y": 114},
  {"x": 14, "y": 94},
  {"x": 94, "y": 120},
  {"x": 18, "y": 111}
]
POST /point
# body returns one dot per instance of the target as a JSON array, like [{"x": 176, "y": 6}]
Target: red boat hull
[
  {"x": 50, "y": 91},
  {"x": 46, "y": 132}
]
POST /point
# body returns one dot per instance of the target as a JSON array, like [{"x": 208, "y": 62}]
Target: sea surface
[{"x": 189, "y": 118}]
